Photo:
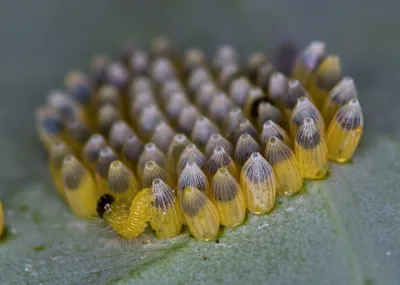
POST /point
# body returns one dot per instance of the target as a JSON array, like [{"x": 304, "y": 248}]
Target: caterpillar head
[{"x": 103, "y": 204}]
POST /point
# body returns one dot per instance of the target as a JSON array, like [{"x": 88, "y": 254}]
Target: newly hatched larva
[
  {"x": 345, "y": 131},
  {"x": 258, "y": 184},
  {"x": 311, "y": 151},
  {"x": 79, "y": 187},
  {"x": 200, "y": 214},
  {"x": 342, "y": 93},
  {"x": 227, "y": 197},
  {"x": 153, "y": 121},
  {"x": 122, "y": 182},
  {"x": 131, "y": 221},
  {"x": 327, "y": 76},
  {"x": 286, "y": 169},
  {"x": 166, "y": 211}
]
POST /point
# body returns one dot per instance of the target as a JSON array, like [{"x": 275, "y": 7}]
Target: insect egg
[
  {"x": 327, "y": 76},
  {"x": 245, "y": 147},
  {"x": 258, "y": 184},
  {"x": 122, "y": 183},
  {"x": 151, "y": 172},
  {"x": 307, "y": 62},
  {"x": 216, "y": 140},
  {"x": 166, "y": 212},
  {"x": 221, "y": 159},
  {"x": 345, "y": 131},
  {"x": 255, "y": 61},
  {"x": 200, "y": 214},
  {"x": 311, "y": 151},
  {"x": 202, "y": 131},
  {"x": 304, "y": 108},
  {"x": 79, "y": 187},
  {"x": 131, "y": 150},
  {"x": 191, "y": 153},
  {"x": 227, "y": 197},
  {"x": 118, "y": 132},
  {"x": 342, "y": 93},
  {"x": 187, "y": 118},
  {"x": 192, "y": 176},
  {"x": 266, "y": 112},
  {"x": 277, "y": 88},
  {"x": 286, "y": 169},
  {"x": 239, "y": 90},
  {"x": 105, "y": 158},
  {"x": 270, "y": 129}
]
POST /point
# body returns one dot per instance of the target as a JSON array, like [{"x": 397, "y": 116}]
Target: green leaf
[{"x": 336, "y": 231}]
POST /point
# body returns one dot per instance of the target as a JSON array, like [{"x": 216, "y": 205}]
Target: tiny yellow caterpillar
[{"x": 127, "y": 222}]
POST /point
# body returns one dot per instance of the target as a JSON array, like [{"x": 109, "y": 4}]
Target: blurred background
[{"x": 41, "y": 40}]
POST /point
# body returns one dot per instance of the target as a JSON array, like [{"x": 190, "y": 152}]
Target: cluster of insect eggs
[{"x": 153, "y": 137}]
